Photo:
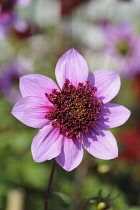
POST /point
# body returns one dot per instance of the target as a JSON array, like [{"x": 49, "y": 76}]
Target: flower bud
[{"x": 102, "y": 206}]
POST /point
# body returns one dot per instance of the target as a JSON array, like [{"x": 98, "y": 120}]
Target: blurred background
[{"x": 33, "y": 35}]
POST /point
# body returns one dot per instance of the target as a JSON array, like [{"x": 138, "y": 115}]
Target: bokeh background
[{"x": 33, "y": 35}]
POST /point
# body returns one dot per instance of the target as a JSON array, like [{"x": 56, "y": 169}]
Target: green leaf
[{"x": 64, "y": 198}]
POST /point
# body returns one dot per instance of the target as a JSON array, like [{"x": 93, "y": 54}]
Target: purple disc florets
[{"x": 75, "y": 109}]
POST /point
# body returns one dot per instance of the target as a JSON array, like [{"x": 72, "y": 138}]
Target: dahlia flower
[
  {"x": 124, "y": 46},
  {"x": 75, "y": 114}
]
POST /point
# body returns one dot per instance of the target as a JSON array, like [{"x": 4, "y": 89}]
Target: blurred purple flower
[
  {"x": 9, "y": 18},
  {"x": 124, "y": 46},
  {"x": 76, "y": 114},
  {"x": 9, "y": 78},
  {"x": 6, "y": 20}
]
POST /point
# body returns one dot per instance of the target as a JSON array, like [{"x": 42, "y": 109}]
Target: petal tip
[
  {"x": 71, "y": 61},
  {"x": 128, "y": 114},
  {"x": 13, "y": 112},
  {"x": 71, "y": 168},
  {"x": 73, "y": 52}
]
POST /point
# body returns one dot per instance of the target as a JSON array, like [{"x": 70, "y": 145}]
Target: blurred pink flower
[
  {"x": 76, "y": 114},
  {"x": 123, "y": 45}
]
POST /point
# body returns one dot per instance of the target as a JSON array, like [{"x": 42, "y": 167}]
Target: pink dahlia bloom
[
  {"x": 124, "y": 46},
  {"x": 75, "y": 114}
]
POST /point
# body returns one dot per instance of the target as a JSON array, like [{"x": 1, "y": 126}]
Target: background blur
[{"x": 33, "y": 35}]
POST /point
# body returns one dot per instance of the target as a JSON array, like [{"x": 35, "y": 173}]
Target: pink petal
[
  {"x": 46, "y": 144},
  {"x": 36, "y": 85},
  {"x": 32, "y": 111},
  {"x": 71, "y": 66},
  {"x": 101, "y": 144},
  {"x": 113, "y": 115},
  {"x": 71, "y": 154},
  {"x": 107, "y": 83}
]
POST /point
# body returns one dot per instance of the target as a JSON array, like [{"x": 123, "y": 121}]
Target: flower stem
[
  {"x": 84, "y": 205},
  {"x": 49, "y": 184}
]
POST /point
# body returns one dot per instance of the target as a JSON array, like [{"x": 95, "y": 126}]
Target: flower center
[
  {"x": 123, "y": 48},
  {"x": 74, "y": 109}
]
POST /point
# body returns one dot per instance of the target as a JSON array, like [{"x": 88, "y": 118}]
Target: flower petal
[
  {"x": 46, "y": 144},
  {"x": 71, "y": 154},
  {"x": 101, "y": 143},
  {"x": 32, "y": 111},
  {"x": 36, "y": 85},
  {"x": 71, "y": 66},
  {"x": 107, "y": 83},
  {"x": 113, "y": 115}
]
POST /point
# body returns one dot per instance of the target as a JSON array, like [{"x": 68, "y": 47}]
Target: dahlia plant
[{"x": 73, "y": 114}]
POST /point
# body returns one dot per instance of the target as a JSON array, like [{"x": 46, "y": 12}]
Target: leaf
[{"x": 64, "y": 198}]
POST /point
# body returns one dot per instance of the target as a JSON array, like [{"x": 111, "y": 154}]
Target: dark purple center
[{"x": 75, "y": 109}]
